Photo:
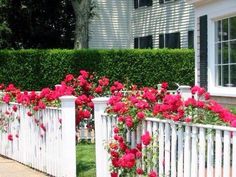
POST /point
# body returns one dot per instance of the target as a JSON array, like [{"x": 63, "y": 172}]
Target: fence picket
[
  {"x": 194, "y": 160},
  {"x": 173, "y": 150},
  {"x": 167, "y": 149},
  {"x": 218, "y": 154},
  {"x": 234, "y": 155},
  {"x": 210, "y": 150},
  {"x": 180, "y": 152},
  {"x": 161, "y": 149},
  {"x": 187, "y": 164},
  {"x": 226, "y": 161},
  {"x": 155, "y": 144},
  {"x": 202, "y": 151}
]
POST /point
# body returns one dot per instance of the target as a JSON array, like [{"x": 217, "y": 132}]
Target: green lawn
[
  {"x": 85, "y": 155},
  {"x": 233, "y": 110}
]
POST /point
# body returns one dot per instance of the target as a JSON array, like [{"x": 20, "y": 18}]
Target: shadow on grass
[{"x": 85, "y": 166}]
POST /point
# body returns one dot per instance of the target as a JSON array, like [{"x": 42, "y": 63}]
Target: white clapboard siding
[
  {"x": 118, "y": 22},
  {"x": 177, "y": 16},
  {"x": 184, "y": 150},
  {"x": 110, "y": 27},
  {"x": 46, "y": 151}
]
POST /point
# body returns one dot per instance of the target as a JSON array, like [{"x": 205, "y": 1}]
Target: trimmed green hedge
[{"x": 35, "y": 69}]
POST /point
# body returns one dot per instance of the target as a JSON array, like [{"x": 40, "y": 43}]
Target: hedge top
[{"x": 34, "y": 69}]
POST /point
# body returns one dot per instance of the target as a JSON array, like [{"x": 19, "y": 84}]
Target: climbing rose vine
[{"x": 131, "y": 107}]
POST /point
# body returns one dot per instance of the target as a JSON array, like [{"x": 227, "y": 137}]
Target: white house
[
  {"x": 142, "y": 24},
  {"x": 215, "y": 48}
]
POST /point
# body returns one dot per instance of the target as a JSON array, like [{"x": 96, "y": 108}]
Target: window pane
[
  {"x": 218, "y": 31},
  {"x": 218, "y": 76},
  {"x": 225, "y": 75},
  {"x": 172, "y": 40},
  {"x": 233, "y": 74},
  {"x": 233, "y": 28},
  {"x": 145, "y": 42},
  {"x": 225, "y": 29},
  {"x": 218, "y": 53},
  {"x": 233, "y": 51},
  {"x": 225, "y": 52}
]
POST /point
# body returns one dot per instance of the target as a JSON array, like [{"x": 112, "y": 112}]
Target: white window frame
[
  {"x": 167, "y": 1},
  {"x": 213, "y": 16}
]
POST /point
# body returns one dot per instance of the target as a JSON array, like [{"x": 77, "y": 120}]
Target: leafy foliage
[
  {"x": 35, "y": 69},
  {"x": 36, "y": 24}
]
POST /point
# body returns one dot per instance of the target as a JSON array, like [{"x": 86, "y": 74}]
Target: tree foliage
[{"x": 36, "y": 24}]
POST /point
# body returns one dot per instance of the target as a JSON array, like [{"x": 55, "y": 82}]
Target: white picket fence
[
  {"x": 185, "y": 150},
  {"x": 51, "y": 151}
]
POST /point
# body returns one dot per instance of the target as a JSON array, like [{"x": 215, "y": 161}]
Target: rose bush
[{"x": 130, "y": 105}]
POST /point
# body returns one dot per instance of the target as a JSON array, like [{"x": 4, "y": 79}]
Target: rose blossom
[{"x": 146, "y": 138}]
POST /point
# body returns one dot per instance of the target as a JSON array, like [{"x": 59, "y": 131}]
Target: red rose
[
  {"x": 29, "y": 114},
  {"x": 129, "y": 121},
  {"x": 114, "y": 154},
  {"x": 116, "y": 130},
  {"x": 139, "y": 171},
  {"x": 127, "y": 160},
  {"x": 69, "y": 78},
  {"x": 98, "y": 89},
  {"x": 10, "y": 137},
  {"x": 146, "y": 139},
  {"x": 188, "y": 119},
  {"x": 138, "y": 154},
  {"x": 140, "y": 115},
  {"x": 14, "y": 108},
  {"x": 207, "y": 96},
  {"x": 6, "y": 98},
  {"x": 233, "y": 123},
  {"x": 152, "y": 174},
  {"x": 114, "y": 174},
  {"x": 86, "y": 113},
  {"x": 115, "y": 162},
  {"x": 164, "y": 85},
  {"x": 43, "y": 127}
]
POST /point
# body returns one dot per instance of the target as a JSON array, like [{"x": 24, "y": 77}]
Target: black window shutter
[
  {"x": 136, "y": 4},
  {"x": 149, "y": 43},
  {"x": 136, "y": 43},
  {"x": 161, "y": 1},
  {"x": 203, "y": 51},
  {"x": 190, "y": 39},
  {"x": 149, "y": 3},
  {"x": 161, "y": 41}
]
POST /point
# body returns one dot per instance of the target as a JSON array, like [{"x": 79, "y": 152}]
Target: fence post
[
  {"x": 100, "y": 105},
  {"x": 185, "y": 91},
  {"x": 68, "y": 160}
]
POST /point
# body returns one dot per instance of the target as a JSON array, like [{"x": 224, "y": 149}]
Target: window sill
[
  {"x": 223, "y": 91},
  {"x": 142, "y": 7}
]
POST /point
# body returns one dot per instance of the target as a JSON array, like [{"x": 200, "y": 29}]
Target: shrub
[{"x": 34, "y": 69}]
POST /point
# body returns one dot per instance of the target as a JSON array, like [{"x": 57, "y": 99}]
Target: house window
[
  {"x": 166, "y": 1},
  {"x": 169, "y": 40},
  {"x": 143, "y": 42},
  {"x": 141, "y": 3},
  {"x": 190, "y": 39},
  {"x": 225, "y": 45}
]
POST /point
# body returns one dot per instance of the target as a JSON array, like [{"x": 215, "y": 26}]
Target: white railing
[
  {"x": 185, "y": 150},
  {"x": 85, "y": 134},
  {"x": 44, "y": 141}
]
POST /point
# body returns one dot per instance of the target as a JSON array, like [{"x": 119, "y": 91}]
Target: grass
[
  {"x": 233, "y": 110},
  {"x": 85, "y": 156}
]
